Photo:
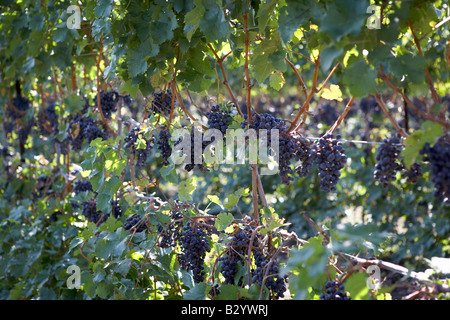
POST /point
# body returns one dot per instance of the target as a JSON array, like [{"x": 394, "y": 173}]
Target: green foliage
[{"x": 197, "y": 49}]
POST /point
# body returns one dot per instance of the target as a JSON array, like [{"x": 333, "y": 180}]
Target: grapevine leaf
[
  {"x": 137, "y": 63},
  {"x": 344, "y": 17},
  {"x": 360, "y": 78},
  {"x": 292, "y": 16},
  {"x": 264, "y": 13},
  {"x": 213, "y": 23},
  {"x": 216, "y": 200},
  {"x": 277, "y": 80},
  {"x": 356, "y": 285},
  {"x": 332, "y": 92},
  {"x": 328, "y": 56},
  {"x": 428, "y": 133},
  {"x": 223, "y": 221},
  {"x": 192, "y": 19},
  {"x": 103, "y": 8},
  {"x": 228, "y": 292},
  {"x": 198, "y": 292}
]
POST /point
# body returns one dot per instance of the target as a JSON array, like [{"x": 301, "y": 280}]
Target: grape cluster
[
  {"x": 326, "y": 114},
  {"x": 291, "y": 145},
  {"x": 19, "y": 107},
  {"x": 218, "y": 119},
  {"x": 192, "y": 164},
  {"x": 24, "y": 131},
  {"x": 438, "y": 156},
  {"x": 275, "y": 283},
  {"x": 164, "y": 147},
  {"x": 194, "y": 245},
  {"x": 334, "y": 290},
  {"x": 48, "y": 120},
  {"x": 108, "y": 102},
  {"x": 116, "y": 209},
  {"x": 54, "y": 216},
  {"x": 162, "y": 102},
  {"x": 368, "y": 105},
  {"x": 140, "y": 153},
  {"x": 414, "y": 173},
  {"x": 388, "y": 162},
  {"x": 81, "y": 186},
  {"x": 84, "y": 128},
  {"x": 329, "y": 155},
  {"x": 236, "y": 251},
  {"x": 304, "y": 154},
  {"x": 171, "y": 235},
  {"x": 287, "y": 152},
  {"x": 91, "y": 213},
  {"x": 135, "y": 222},
  {"x": 265, "y": 121},
  {"x": 214, "y": 291}
]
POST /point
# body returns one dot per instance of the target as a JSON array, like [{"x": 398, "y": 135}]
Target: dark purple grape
[
  {"x": 439, "y": 156},
  {"x": 162, "y": 102},
  {"x": 329, "y": 155},
  {"x": 108, "y": 102},
  {"x": 388, "y": 161},
  {"x": 194, "y": 244}
]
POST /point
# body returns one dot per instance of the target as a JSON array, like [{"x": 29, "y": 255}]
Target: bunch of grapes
[
  {"x": 171, "y": 235},
  {"x": 368, "y": 105},
  {"x": 438, "y": 156},
  {"x": 48, "y": 120},
  {"x": 334, "y": 290},
  {"x": 81, "y": 186},
  {"x": 214, "y": 291},
  {"x": 287, "y": 152},
  {"x": 164, "y": 147},
  {"x": 388, "y": 162},
  {"x": 329, "y": 155},
  {"x": 275, "y": 283},
  {"x": 194, "y": 245},
  {"x": 108, "y": 102},
  {"x": 326, "y": 114},
  {"x": 116, "y": 209},
  {"x": 305, "y": 155},
  {"x": 287, "y": 142},
  {"x": 19, "y": 107},
  {"x": 84, "y": 128},
  {"x": 24, "y": 131},
  {"x": 236, "y": 251},
  {"x": 265, "y": 121},
  {"x": 141, "y": 153},
  {"x": 218, "y": 119},
  {"x": 414, "y": 173},
  {"x": 91, "y": 213},
  {"x": 54, "y": 216},
  {"x": 135, "y": 222},
  {"x": 191, "y": 165},
  {"x": 162, "y": 102}
]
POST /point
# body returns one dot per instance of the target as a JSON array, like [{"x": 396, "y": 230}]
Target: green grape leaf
[
  {"x": 223, "y": 221},
  {"x": 359, "y": 77},
  {"x": 137, "y": 63},
  {"x": 277, "y": 80},
  {"x": 198, "y": 292},
  {"x": 428, "y": 133}
]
